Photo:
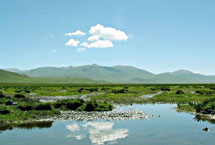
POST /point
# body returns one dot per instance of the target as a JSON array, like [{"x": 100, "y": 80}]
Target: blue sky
[{"x": 163, "y": 35}]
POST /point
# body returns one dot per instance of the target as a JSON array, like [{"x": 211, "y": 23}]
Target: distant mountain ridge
[
  {"x": 11, "y": 77},
  {"x": 118, "y": 74}
]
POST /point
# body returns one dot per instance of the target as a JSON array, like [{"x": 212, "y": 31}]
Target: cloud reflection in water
[{"x": 99, "y": 132}]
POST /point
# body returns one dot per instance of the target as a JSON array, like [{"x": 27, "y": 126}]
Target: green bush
[
  {"x": 25, "y": 107},
  {"x": 42, "y": 107},
  {"x": 206, "y": 107},
  {"x": 2, "y": 95},
  {"x": 179, "y": 92},
  {"x": 19, "y": 96},
  {"x": 98, "y": 106},
  {"x": 81, "y": 105},
  {"x": 122, "y": 91},
  {"x": 73, "y": 104},
  {"x": 165, "y": 89},
  {"x": 4, "y": 112}
]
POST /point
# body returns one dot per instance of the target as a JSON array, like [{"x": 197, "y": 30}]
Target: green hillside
[
  {"x": 11, "y": 77},
  {"x": 103, "y": 74},
  {"x": 112, "y": 74}
]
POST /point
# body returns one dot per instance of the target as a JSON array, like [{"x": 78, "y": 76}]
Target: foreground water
[{"x": 167, "y": 127}]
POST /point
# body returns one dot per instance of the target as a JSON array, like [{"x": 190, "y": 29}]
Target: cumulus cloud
[
  {"x": 98, "y": 44},
  {"x": 100, "y": 37},
  {"x": 76, "y": 33},
  {"x": 93, "y": 38},
  {"x": 108, "y": 33},
  {"x": 72, "y": 42}
]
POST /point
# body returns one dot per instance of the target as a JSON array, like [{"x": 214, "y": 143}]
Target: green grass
[
  {"x": 111, "y": 93},
  {"x": 26, "y": 109}
]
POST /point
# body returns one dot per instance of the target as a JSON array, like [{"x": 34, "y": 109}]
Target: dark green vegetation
[
  {"x": 81, "y": 105},
  {"x": 126, "y": 93},
  {"x": 20, "y": 108},
  {"x": 17, "y": 100},
  {"x": 26, "y": 125},
  {"x": 205, "y": 107},
  {"x": 104, "y": 74}
]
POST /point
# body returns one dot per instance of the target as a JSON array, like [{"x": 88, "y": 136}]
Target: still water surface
[{"x": 171, "y": 128}]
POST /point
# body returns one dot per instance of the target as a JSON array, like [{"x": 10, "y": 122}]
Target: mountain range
[{"x": 100, "y": 74}]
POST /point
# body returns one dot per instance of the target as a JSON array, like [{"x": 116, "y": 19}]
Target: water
[
  {"x": 146, "y": 96},
  {"x": 171, "y": 128}
]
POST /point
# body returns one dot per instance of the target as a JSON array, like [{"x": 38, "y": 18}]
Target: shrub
[
  {"x": 27, "y": 91},
  {"x": 206, "y": 107},
  {"x": 179, "y": 92},
  {"x": 165, "y": 89},
  {"x": 25, "y": 107},
  {"x": 71, "y": 104},
  {"x": 212, "y": 88},
  {"x": 2, "y": 95},
  {"x": 3, "y": 112},
  {"x": 10, "y": 103},
  {"x": 98, "y": 106},
  {"x": 19, "y": 96},
  {"x": 92, "y": 89},
  {"x": 45, "y": 106},
  {"x": 204, "y": 92},
  {"x": 74, "y": 104},
  {"x": 122, "y": 91}
]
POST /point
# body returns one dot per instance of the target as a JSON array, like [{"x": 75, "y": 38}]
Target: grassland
[{"x": 183, "y": 95}]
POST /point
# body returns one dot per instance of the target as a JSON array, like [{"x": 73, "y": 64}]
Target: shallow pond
[{"x": 167, "y": 127}]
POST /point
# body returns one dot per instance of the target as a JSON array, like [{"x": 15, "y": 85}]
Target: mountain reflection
[{"x": 99, "y": 132}]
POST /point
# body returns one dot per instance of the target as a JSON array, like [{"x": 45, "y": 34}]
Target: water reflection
[
  {"x": 204, "y": 118},
  {"x": 27, "y": 125},
  {"x": 99, "y": 132}
]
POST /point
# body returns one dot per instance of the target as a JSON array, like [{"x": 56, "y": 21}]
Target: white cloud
[
  {"x": 79, "y": 137},
  {"x": 73, "y": 127},
  {"x": 98, "y": 44},
  {"x": 76, "y": 33},
  {"x": 108, "y": 33},
  {"x": 81, "y": 49},
  {"x": 100, "y": 37},
  {"x": 103, "y": 132},
  {"x": 72, "y": 42},
  {"x": 93, "y": 38}
]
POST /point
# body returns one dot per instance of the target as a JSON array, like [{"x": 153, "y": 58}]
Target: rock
[
  {"x": 105, "y": 115},
  {"x": 206, "y": 129}
]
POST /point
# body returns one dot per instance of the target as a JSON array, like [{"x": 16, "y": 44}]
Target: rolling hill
[
  {"x": 115, "y": 74},
  {"x": 11, "y": 77}
]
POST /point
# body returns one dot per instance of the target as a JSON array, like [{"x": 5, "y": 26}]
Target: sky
[{"x": 156, "y": 35}]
